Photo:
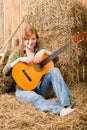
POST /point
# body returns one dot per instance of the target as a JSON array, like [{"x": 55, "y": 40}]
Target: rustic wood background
[{"x": 11, "y": 12}]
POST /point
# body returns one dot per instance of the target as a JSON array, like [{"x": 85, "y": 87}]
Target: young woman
[{"x": 51, "y": 82}]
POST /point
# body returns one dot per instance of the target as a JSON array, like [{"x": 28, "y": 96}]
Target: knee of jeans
[
  {"x": 48, "y": 93},
  {"x": 54, "y": 70}
]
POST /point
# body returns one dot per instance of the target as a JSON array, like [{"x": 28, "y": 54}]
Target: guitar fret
[{"x": 55, "y": 54}]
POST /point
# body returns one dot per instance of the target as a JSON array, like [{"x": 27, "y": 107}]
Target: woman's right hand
[{"x": 28, "y": 60}]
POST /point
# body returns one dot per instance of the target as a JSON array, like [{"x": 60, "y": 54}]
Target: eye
[{"x": 32, "y": 39}]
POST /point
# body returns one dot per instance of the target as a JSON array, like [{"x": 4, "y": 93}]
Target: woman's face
[{"x": 31, "y": 42}]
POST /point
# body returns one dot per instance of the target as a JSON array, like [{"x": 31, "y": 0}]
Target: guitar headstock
[{"x": 78, "y": 37}]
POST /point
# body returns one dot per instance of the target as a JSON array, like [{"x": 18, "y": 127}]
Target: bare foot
[
  {"x": 71, "y": 106},
  {"x": 66, "y": 111}
]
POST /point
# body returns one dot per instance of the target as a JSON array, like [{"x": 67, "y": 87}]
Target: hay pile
[
  {"x": 18, "y": 115},
  {"x": 57, "y": 21}
]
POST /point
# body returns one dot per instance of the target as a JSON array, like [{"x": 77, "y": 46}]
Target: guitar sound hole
[{"x": 38, "y": 67}]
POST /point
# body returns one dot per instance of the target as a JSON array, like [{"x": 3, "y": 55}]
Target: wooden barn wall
[
  {"x": 11, "y": 17},
  {"x": 1, "y": 22},
  {"x": 11, "y": 12}
]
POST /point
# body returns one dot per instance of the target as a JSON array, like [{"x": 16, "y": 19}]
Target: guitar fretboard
[{"x": 55, "y": 54}]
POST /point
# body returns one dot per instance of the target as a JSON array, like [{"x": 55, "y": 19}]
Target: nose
[{"x": 30, "y": 41}]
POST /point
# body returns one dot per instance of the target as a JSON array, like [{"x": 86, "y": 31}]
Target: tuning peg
[
  {"x": 80, "y": 40},
  {"x": 78, "y": 32}
]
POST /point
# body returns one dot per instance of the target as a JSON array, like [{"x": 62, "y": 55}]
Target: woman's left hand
[{"x": 38, "y": 56}]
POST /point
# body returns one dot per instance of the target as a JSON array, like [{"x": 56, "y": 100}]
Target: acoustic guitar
[{"x": 28, "y": 76}]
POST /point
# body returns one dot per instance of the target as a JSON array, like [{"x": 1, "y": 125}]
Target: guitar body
[{"x": 34, "y": 72}]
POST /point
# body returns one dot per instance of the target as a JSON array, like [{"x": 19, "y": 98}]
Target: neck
[{"x": 29, "y": 51}]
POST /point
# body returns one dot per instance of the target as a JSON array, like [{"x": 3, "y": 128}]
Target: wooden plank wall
[
  {"x": 7, "y": 5},
  {"x": 1, "y": 22},
  {"x": 11, "y": 17},
  {"x": 11, "y": 12}
]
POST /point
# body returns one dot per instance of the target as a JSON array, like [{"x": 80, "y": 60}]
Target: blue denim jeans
[{"x": 52, "y": 82}]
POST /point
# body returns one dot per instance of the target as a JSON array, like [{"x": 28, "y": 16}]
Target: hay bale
[{"x": 56, "y": 22}]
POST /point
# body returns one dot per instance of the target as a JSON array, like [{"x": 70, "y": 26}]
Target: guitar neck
[{"x": 55, "y": 54}]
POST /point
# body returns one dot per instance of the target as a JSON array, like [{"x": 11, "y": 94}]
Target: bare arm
[
  {"x": 39, "y": 55},
  {"x": 28, "y": 60}
]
